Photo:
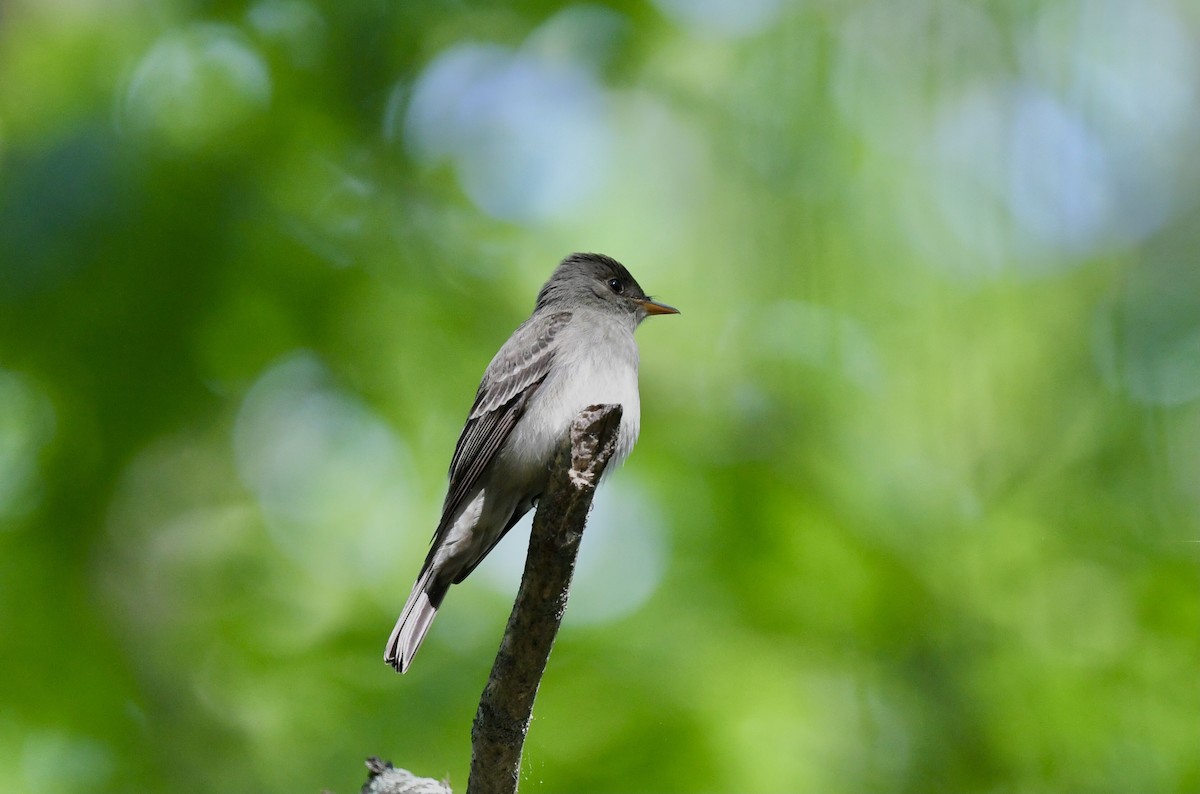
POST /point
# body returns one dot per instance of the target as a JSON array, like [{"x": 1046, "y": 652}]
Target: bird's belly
[{"x": 556, "y": 404}]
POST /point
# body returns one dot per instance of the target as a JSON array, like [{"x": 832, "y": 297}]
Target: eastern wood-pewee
[{"x": 575, "y": 350}]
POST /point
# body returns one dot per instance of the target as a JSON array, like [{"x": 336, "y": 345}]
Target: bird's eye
[{"x": 615, "y": 285}]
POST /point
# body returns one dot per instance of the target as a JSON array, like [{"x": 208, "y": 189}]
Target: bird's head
[{"x": 599, "y": 282}]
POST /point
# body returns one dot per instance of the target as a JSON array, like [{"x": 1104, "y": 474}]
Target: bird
[{"x": 575, "y": 350}]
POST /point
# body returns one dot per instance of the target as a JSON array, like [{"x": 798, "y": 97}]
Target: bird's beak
[{"x": 654, "y": 307}]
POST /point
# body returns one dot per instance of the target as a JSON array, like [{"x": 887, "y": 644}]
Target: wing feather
[{"x": 507, "y": 386}]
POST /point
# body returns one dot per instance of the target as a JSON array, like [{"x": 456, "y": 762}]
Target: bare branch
[{"x": 506, "y": 708}]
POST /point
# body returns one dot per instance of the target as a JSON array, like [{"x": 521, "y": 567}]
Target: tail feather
[{"x": 418, "y": 614}]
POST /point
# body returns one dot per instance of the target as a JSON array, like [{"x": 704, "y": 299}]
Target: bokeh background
[{"x": 916, "y": 505}]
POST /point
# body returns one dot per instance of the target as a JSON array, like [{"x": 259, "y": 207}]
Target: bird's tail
[{"x": 419, "y": 612}]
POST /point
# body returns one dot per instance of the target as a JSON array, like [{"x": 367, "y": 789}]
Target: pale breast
[{"x": 593, "y": 365}]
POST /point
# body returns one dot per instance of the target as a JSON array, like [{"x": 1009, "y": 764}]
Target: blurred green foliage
[{"x": 916, "y": 505}]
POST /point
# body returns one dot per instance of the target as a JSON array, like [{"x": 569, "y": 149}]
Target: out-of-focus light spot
[
  {"x": 172, "y": 563},
  {"x": 294, "y": 25},
  {"x": 662, "y": 182},
  {"x": 1081, "y": 152},
  {"x": 330, "y": 476},
  {"x": 894, "y": 61},
  {"x": 528, "y": 134},
  {"x": 962, "y": 222},
  {"x": 585, "y": 35},
  {"x": 1061, "y": 196},
  {"x": 27, "y": 423},
  {"x": 627, "y": 558},
  {"x": 1011, "y": 181},
  {"x": 621, "y": 562},
  {"x": 194, "y": 85},
  {"x": 58, "y": 761},
  {"x": 723, "y": 19},
  {"x": 1133, "y": 71},
  {"x": 1147, "y": 339}
]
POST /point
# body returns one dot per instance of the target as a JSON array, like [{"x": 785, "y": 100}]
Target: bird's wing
[{"x": 509, "y": 382}]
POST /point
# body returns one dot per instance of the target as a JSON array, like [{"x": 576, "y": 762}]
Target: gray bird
[{"x": 575, "y": 350}]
